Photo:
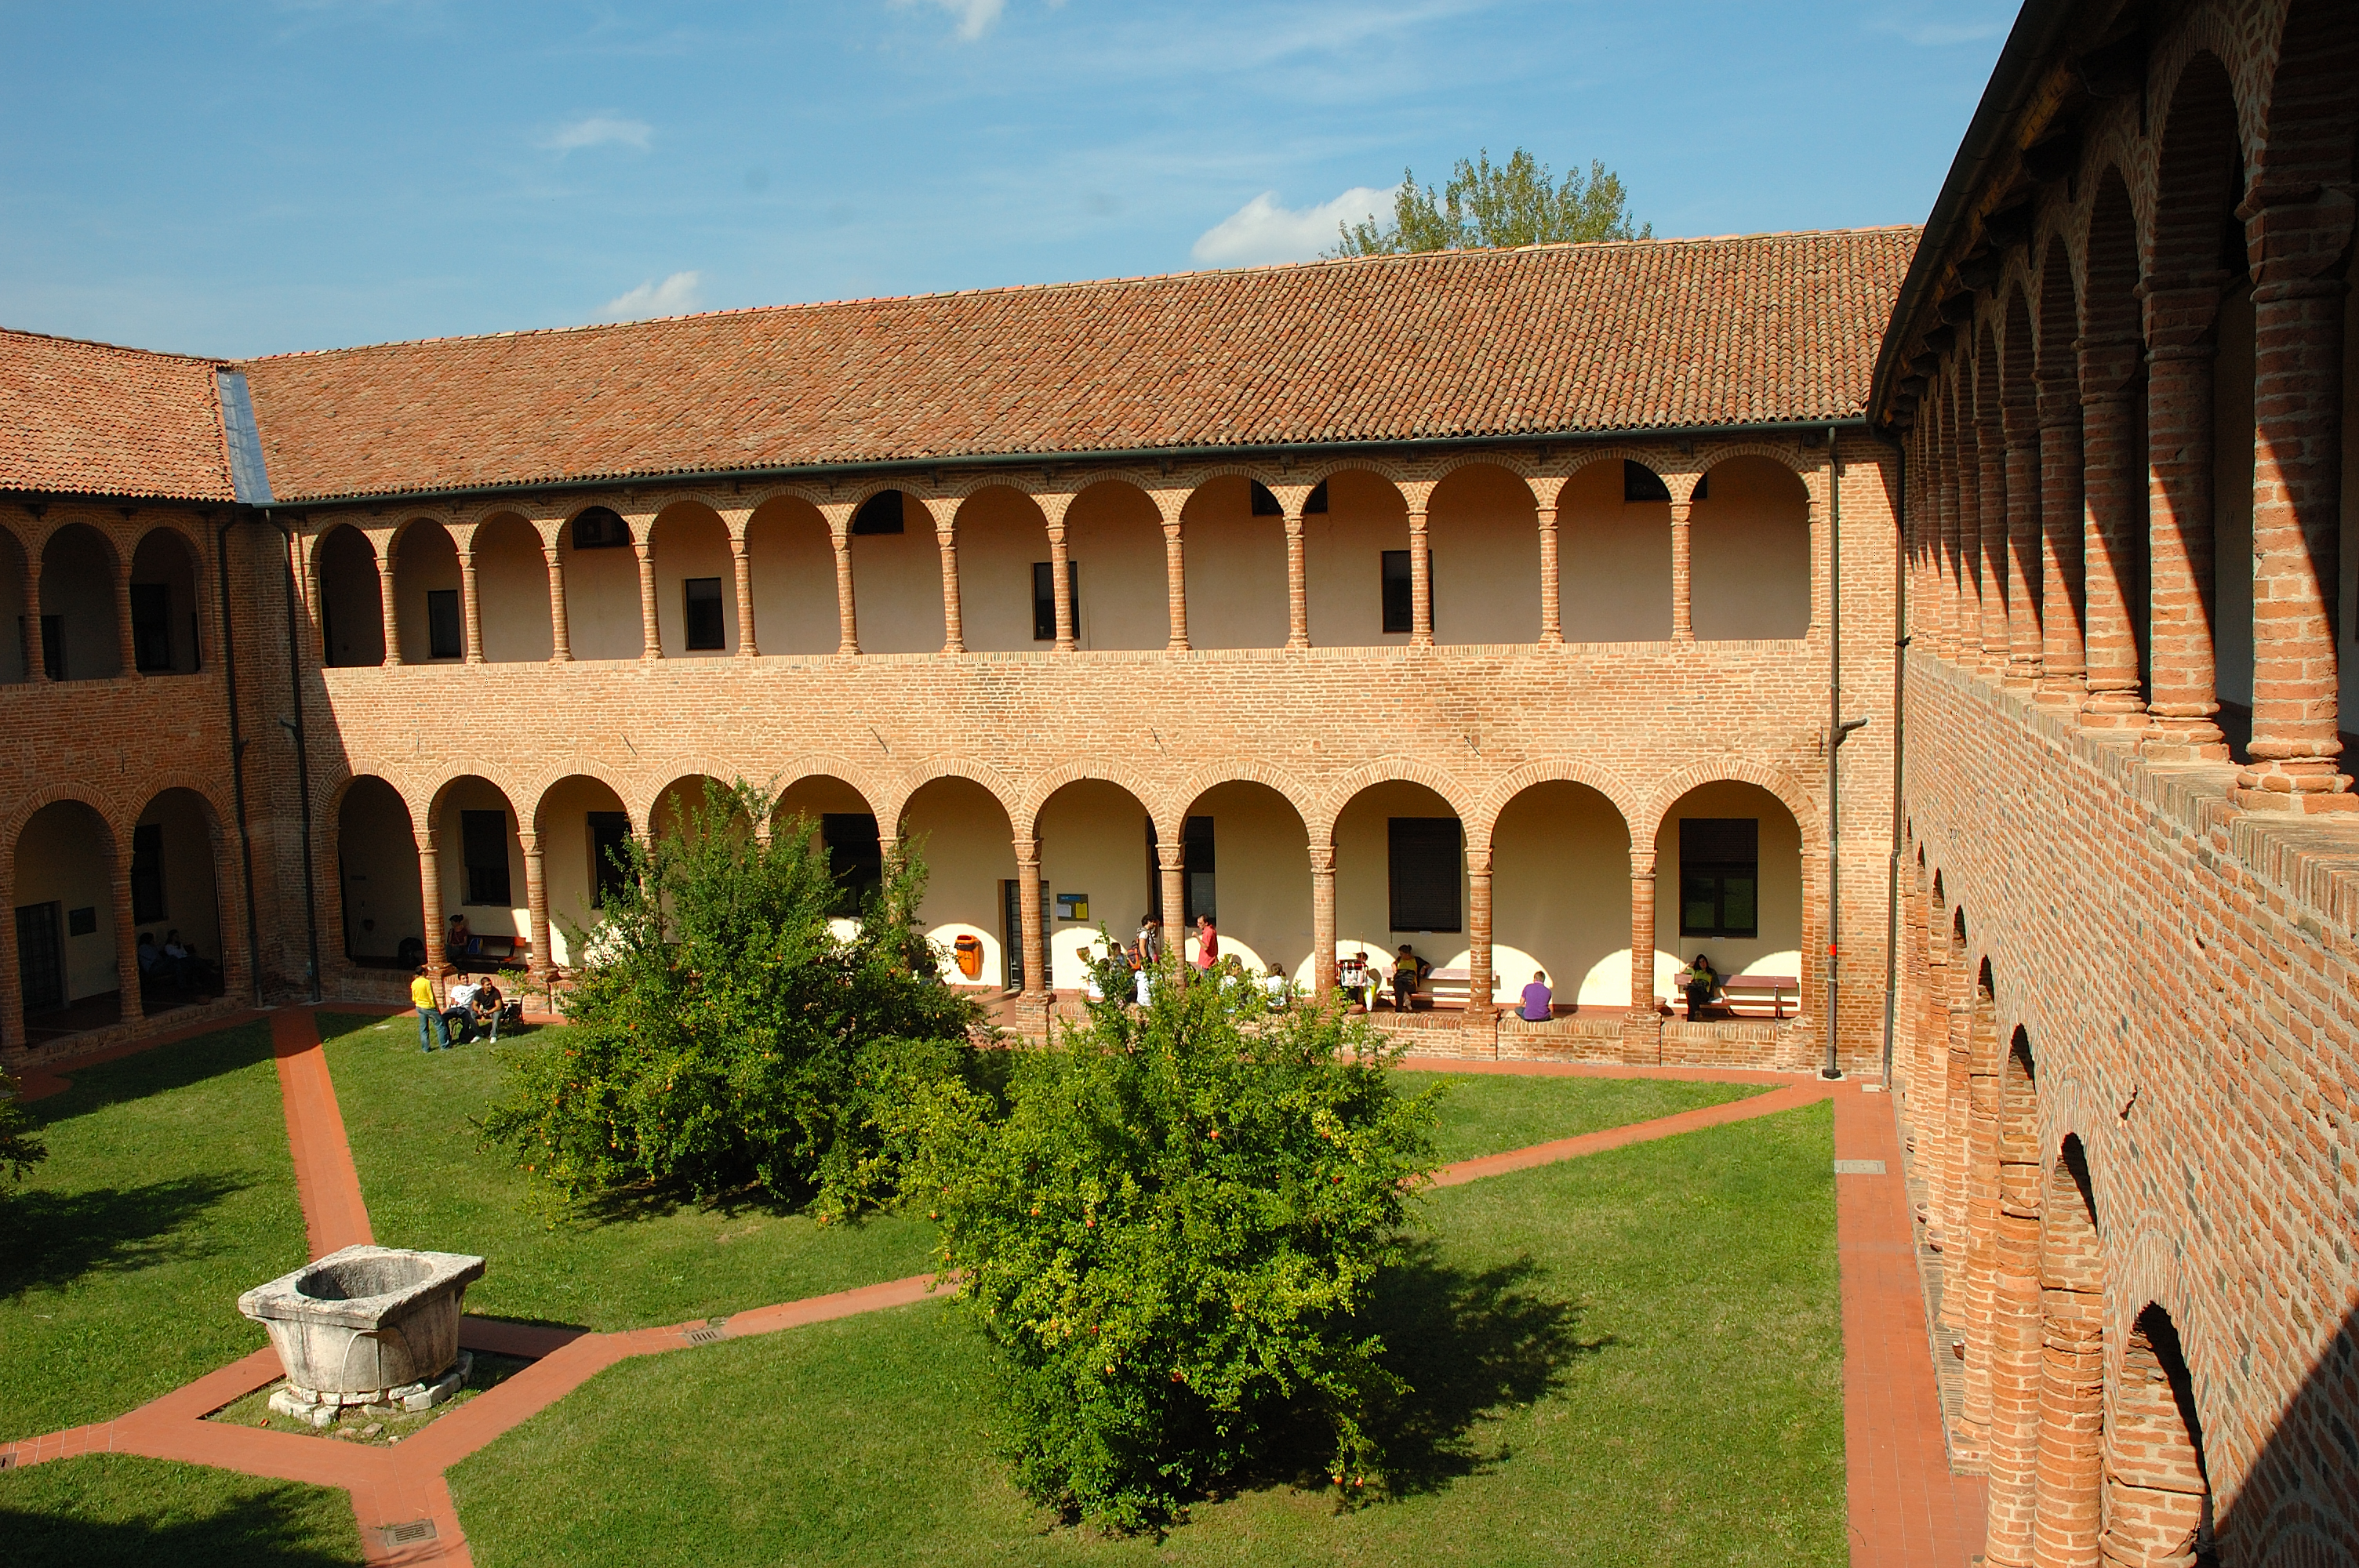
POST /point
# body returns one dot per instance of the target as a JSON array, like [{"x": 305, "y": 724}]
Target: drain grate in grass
[{"x": 407, "y": 1533}]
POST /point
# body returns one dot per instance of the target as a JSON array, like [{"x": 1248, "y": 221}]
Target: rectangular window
[
  {"x": 702, "y": 595},
  {"x": 1720, "y": 876},
  {"x": 1044, "y": 601},
  {"x": 446, "y": 636},
  {"x": 1401, "y": 605},
  {"x": 1198, "y": 863},
  {"x": 53, "y": 646},
  {"x": 151, "y": 626},
  {"x": 610, "y": 863},
  {"x": 855, "y": 857},
  {"x": 1426, "y": 864},
  {"x": 147, "y": 872},
  {"x": 484, "y": 836},
  {"x": 82, "y": 922}
]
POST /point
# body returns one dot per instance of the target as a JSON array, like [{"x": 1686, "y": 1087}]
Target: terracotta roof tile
[{"x": 102, "y": 420}]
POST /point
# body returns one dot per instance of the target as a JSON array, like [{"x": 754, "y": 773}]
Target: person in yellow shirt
[{"x": 429, "y": 1013}]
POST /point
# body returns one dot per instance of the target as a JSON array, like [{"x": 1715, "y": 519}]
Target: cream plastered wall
[
  {"x": 964, "y": 835},
  {"x": 1343, "y": 562},
  {"x": 12, "y": 611},
  {"x": 1749, "y": 553},
  {"x": 1236, "y": 568},
  {"x": 1613, "y": 561},
  {"x": 379, "y": 858},
  {"x": 511, "y": 919},
  {"x": 350, "y": 593},
  {"x": 163, "y": 558},
  {"x": 1000, "y": 536},
  {"x": 1115, "y": 536},
  {"x": 191, "y": 896},
  {"x": 425, "y": 561},
  {"x": 897, "y": 587},
  {"x": 512, "y": 580},
  {"x": 1485, "y": 540},
  {"x": 1778, "y": 950},
  {"x": 693, "y": 542},
  {"x": 565, "y": 865},
  {"x": 1561, "y": 896},
  {"x": 793, "y": 564},
  {"x": 602, "y": 601},
  {"x": 1363, "y": 875},
  {"x": 1261, "y": 876},
  {"x": 65, "y": 856},
  {"x": 2232, "y": 498},
  {"x": 77, "y": 585},
  {"x": 1093, "y": 841}
]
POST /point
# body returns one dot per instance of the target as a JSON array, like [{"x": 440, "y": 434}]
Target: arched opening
[
  {"x": 431, "y": 610},
  {"x": 1749, "y": 552},
  {"x": 1561, "y": 897},
  {"x": 1003, "y": 568},
  {"x": 2063, "y": 605},
  {"x": 165, "y": 610},
  {"x": 1613, "y": 554},
  {"x": 376, "y": 866},
  {"x": 481, "y": 859},
  {"x": 352, "y": 608},
  {"x": 1114, "y": 543},
  {"x": 793, "y": 565},
  {"x": 1729, "y": 857},
  {"x": 583, "y": 827},
  {"x": 1235, "y": 534},
  {"x": 2157, "y": 1491},
  {"x": 2014, "y": 1358},
  {"x": 696, "y": 583},
  {"x": 1989, "y": 477},
  {"x": 512, "y": 580},
  {"x": 176, "y": 903},
  {"x": 2069, "y": 1503},
  {"x": 1097, "y": 864},
  {"x": 2114, "y": 450},
  {"x": 1246, "y": 858},
  {"x": 65, "y": 959},
  {"x": 2019, "y": 418},
  {"x": 1485, "y": 540},
  {"x": 971, "y": 912},
  {"x": 79, "y": 637},
  {"x": 683, "y": 806},
  {"x": 1400, "y": 879},
  {"x": 843, "y": 827},
  {"x": 897, "y": 575},
  {"x": 15, "y": 635},
  {"x": 602, "y": 587},
  {"x": 1355, "y": 569}
]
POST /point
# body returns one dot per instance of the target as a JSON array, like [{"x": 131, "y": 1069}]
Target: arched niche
[
  {"x": 166, "y": 614},
  {"x": 351, "y": 606},
  {"x": 1485, "y": 535},
  {"x": 1749, "y": 552},
  {"x": 962, "y": 831},
  {"x": 376, "y": 867},
  {"x": 1561, "y": 897},
  {"x": 1613, "y": 555}
]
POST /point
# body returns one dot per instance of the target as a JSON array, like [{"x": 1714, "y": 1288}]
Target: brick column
[
  {"x": 126, "y": 645},
  {"x": 1551, "y": 587},
  {"x": 1956, "y": 1142},
  {"x": 2297, "y": 505},
  {"x": 430, "y": 896},
  {"x": 650, "y": 633},
  {"x": 2155, "y": 1487},
  {"x": 2178, "y": 459},
  {"x": 1966, "y": 486},
  {"x": 311, "y": 602},
  {"x": 1975, "y": 1303},
  {"x": 2021, "y": 462},
  {"x": 126, "y": 936},
  {"x": 542, "y": 965},
  {"x": 1061, "y": 574},
  {"x": 1990, "y": 512},
  {"x": 953, "y": 607},
  {"x": 36, "y": 668},
  {"x": 740, "y": 553},
  {"x": 560, "y": 638},
  {"x": 1642, "y": 1026},
  {"x": 1298, "y": 594},
  {"x": 2063, "y": 663},
  {"x": 469, "y": 606},
  {"x": 2067, "y": 1490},
  {"x": 1933, "y": 1097},
  {"x": 1175, "y": 586},
  {"x": 1170, "y": 859},
  {"x": 2113, "y": 488},
  {"x": 1683, "y": 573},
  {"x": 847, "y": 623},
  {"x": 1479, "y": 985},
  {"x": 12, "y": 994},
  {"x": 1036, "y": 988},
  {"x": 1420, "y": 581},
  {"x": 1949, "y": 616},
  {"x": 2013, "y": 1463},
  {"x": 388, "y": 579},
  {"x": 1323, "y": 919}
]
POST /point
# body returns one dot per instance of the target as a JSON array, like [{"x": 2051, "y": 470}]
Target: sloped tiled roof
[
  {"x": 1649, "y": 334},
  {"x": 102, "y": 420}
]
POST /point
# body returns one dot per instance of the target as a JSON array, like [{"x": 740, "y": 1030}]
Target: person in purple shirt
[{"x": 1538, "y": 999}]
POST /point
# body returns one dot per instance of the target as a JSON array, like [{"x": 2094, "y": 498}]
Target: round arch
[
  {"x": 1559, "y": 851},
  {"x": 351, "y": 597},
  {"x": 479, "y": 856},
  {"x": 80, "y": 635},
  {"x": 956, "y": 818},
  {"x": 176, "y": 897},
  {"x": 1113, "y": 539},
  {"x": 1730, "y": 879},
  {"x": 1246, "y": 858},
  {"x": 168, "y": 601},
  {"x": 63, "y": 876},
  {"x": 1097, "y": 866},
  {"x": 580, "y": 826},
  {"x": 1483, "y": 530},
  {"x": 1749, "y": 550},
  {"x": 512, "y": 583}
]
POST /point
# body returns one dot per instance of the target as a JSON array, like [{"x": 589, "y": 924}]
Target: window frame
[
  {"x": 482, "y": 891},
  {"x": 151, "y": 627},
  {"x": 716, "y": 607},
  {"x": 1400, "y": 900},
  {"x": 1708, "y": 871},
  {"x": 437, "y": 647}
]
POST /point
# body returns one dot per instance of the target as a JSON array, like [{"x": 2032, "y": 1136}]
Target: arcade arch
[
  {"x": 1614, "y": 554},
  {"x": 377, "y": 870},
  {"x": 1749, "y": 552}
]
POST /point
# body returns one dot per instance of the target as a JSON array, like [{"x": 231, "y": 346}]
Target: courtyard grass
[
  {"x": 1487, "y": 1113},
  {"x": 103, "y": 1510},
  {"x": 1631, "y": 1359},
  {"x": 168, "y": 1189}
]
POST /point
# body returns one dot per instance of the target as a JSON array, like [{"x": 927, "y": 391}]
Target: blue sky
[{"x": 244, "y": 178}]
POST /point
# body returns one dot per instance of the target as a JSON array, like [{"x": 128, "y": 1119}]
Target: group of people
[
  {"x": 173, "y": 962},
  {"x": 474, "y": 1011}
]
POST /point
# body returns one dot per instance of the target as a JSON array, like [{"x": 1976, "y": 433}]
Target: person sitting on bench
[
  {"x": 485, "y": 1006},
  {"x": 454, "y": 942},
  {"x": 458, "y": 1012},
  {"x": 1408, "y": 969},
  {"x": 1699, "y": 980},
  {"x": 1539, "y": 1003}
]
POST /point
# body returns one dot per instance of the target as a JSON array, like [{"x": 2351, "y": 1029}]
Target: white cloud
[
  {"x": 598, "y": 130},
  {"x": 975, "y": 16},
  {"x": 675, "y": 296},
  {"x": 1929, "y": 34},
  {"x": 1262, "y": 230}
]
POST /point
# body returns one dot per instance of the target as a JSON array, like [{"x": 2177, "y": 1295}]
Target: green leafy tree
[
  {"x": 19, "y": 1150},
  {"x": 1484, "y": 205},
  {"x": 1167, "y": 1238},
  {"x": 724, "y": 1035}
]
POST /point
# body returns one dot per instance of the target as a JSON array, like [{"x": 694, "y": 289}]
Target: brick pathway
[{"x": 1905, "y": 1507}]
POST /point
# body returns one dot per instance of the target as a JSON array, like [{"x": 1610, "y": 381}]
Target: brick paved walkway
[{"x": 1906, "y": 1510}]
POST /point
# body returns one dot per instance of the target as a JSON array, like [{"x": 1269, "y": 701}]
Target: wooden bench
[
  {"x": 1748, "y": 991},
  {"x": 1450, "y": 983},
  {"x": 496, "y": 953}
]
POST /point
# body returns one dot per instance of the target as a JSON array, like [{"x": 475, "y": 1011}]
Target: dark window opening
[
  {"x": 1196, "y": 858},
  {"x": 1425, "y": 862},
  {"x": 1640, "y": 482},
  {"x": 1153, "y": 876},
  {"x": 1044, "y": 599},
  {"x": 82, "y": 922},
  {"x": 40, "y": 957},
  {"x": 483, "y": 838},
  {"x": 855, "y": 857},
  {"x": 53, "y": 646},
  {"x": 147, "y": 872},
  {"x": 880, "y": 514},
  {"x": 151, "y": 626},
  {"x": 702, "y": 595},
  {"x": 601, "y": 528},
  {"x": 1720, "y": 877},
  {"x": 1400, "y": 593},
  {"x": 610, "y": 861},
  {"x": 445, "y": 635}
]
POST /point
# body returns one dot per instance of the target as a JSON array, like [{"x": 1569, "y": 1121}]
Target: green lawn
[
  {"x": 1633, "y": 1359},
  {"x": 1486, "y": 1113},
  {"x": 167, "y": 1191},
  {"x": 429, "y": 1183},
  {"x": 108, "y": 1509}
]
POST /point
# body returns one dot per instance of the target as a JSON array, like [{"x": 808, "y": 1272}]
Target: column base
[
  {"x": 2064, "y": 693},
  {"x": 2020, "y": 675},
  {"x": 2163, "y": 743},
  {"x": 1641, "y": 1038},
  {"x": 2315, "y": 787},
  {"x": 1030, "y": 1013},
  {"x": 1480, "y": 1027}
]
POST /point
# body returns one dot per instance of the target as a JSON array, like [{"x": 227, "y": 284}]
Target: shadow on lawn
[
  {"x": 51, "y": 1240},
  {"x": 136, "y": 1076},
  {"x": 276, "y": 1529}
]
